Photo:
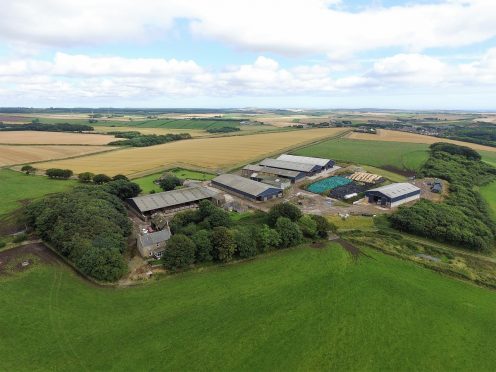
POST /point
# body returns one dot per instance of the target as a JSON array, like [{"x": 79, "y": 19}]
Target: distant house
[
  {"x": 393, "y": 195},
  {"x": 153, "y": 244},
  {"x": 246, "y": 188},
  {"x": 169, "y": 202}
]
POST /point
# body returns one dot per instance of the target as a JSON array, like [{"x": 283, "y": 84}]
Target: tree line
[
  {"x": 209, "y": 234},
  {"x": 144, "y": 140},
  {"x": 464, "y": 218},
  {"x": 40, "y": 127}
]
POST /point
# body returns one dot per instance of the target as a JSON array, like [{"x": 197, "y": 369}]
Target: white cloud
[
  {"x": 112, "y": 79},
  {"x": 291, "y": 27}
]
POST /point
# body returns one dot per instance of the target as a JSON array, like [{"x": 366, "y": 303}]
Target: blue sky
[{"x": 296, "y": 53}]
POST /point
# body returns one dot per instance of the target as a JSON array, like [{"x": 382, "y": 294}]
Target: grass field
[
  {"x": 21, "y": 154},
  {"x": 147, "y": 185},
  {"x": 375, "y": 153},
  {"x": 205, "y": 153},
  {"x": 352, "y": 222},
  {"x": 16, "y": 187},
  {"x": 396, "y": 136},
  {"x": 489, "y": 193},
  {"x": 53, "y": 138},
  {"x": 301, "y": 309}
]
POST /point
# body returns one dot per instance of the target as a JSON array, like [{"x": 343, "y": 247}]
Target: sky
[{"x": 414, "y": 54}]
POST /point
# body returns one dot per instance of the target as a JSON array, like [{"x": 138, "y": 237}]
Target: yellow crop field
[
  {"x": 53, "y": 138},
  {"x": 11, "y": 155},
  {"x": 208, "y": 153},
  {"x": 396, "y": 136}
]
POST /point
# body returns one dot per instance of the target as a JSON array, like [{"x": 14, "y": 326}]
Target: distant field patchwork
[
  {"x": 12, "y": 155},
  {"x": 409, "y": 156},
  {"x": 206, "y": 153},
  {"x": 53, "y": 138}
]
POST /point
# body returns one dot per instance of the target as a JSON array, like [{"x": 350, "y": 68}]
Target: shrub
[
  {"x": 267, "y": 238},
  {"x": 123, "y": 189},
  {"x": 100, "y": 179},
  {"x": 203, "y": 246},
  {"x": 169, "y": 182},
  {"x": 289, "y": 232},
  {"x": 28, "y": 169},
  {"x": 20, "y": 238},
  {"x": 245, "y": 244},
  {"x": 308, "y": 226},
  {"x": 223, "y": 244},
  {"x": 85, "y": 177},
  {"x": 287, "y": 210},
  {"x": 57, "y": 173}
]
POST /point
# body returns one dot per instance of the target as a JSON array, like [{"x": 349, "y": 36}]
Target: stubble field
[
  {"x": 53, "y": 138},
  {"x": 22, "y": 154},
  {"x": 212, "y": 154}
]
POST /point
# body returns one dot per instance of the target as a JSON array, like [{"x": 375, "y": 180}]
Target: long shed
[
  {"x": 307, "y": 169},
  {"x": 322, "y": 162},
  {"x": 246, "y": 188},
  {"x": 393, "y": 195}
]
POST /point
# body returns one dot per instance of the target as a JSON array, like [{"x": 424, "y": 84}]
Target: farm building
[
  {"x": 246, "y": 188},
  {"x": 323, "y": 163},
  {"x": 170, "y": 201},
  {"x": 153, "y": 244},
  {"x": 393, "y": 195},
  {"x": 307, "y": 169},
  {"x": 291, "y": 175}
]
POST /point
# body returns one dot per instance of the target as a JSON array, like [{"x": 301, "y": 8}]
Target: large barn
[
  {"x": 307, "y": 169},
  {"x": 170, "y": 201},
  {"x": 255, "y": 170},
  {"x": 321, "y": 162},
  {"x": 393, "y": 195},
  {"x": 246, "y": 188}
]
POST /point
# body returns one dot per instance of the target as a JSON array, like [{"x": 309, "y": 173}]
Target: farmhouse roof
[
  {"x": 155, "y": 237},
  {"x": 243, "y": 184},
  {"x": 304, "y": 159},
  {"x": 172, "y": 198},
  {"x": 290, "y": 165},
  {"x": 396, "y": 189}
]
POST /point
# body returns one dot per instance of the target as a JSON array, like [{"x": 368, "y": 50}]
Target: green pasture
[
  {"x": 299, "y": 309},
  {"x": 147, "y": 185},
  {"x": 488, "y": 192},
  {"x": 403, "y": 156},
  {"x": 16, "y": 187}
]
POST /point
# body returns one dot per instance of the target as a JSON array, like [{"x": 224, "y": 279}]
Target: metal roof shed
[
  {"x": 394, "y": 194},
  {"x": 291, "y": 165},
  {"x": 245, "y": 187},
  {"x": 324, "y": 163}
]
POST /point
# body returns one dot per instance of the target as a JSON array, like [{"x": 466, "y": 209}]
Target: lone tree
[
  {"x": 85, "y": 177},
  {"x": 169, "y": 182},
  {"x": 180, "y": 252},
  {"x": 28, "y": 169},
  {"x": 223, "y": 243}
]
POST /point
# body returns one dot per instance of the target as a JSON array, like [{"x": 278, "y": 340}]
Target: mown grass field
[
  {"x": 301, "y": 309},
  {"x": 22, "y": 154},
  {"x": 352, "y": 222},
  {"x": 488, "y": 192},
  {"x": 147, "y": 185},
  {"x": 409, "y": 156},
  {"x": 213, "y": 154},
  {"x": 17, "y": 187}
]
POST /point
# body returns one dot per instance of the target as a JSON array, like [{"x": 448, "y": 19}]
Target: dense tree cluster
[
  {"x": 144, "y": 140},
  {"x": 223, "y": 130},
  {"x": 88, "y": 225},
  {"x": 61, "y": 174},
  {"x": 484, "y": 135},
  {"x": 169, "y": 182},
  {"x": 37, "y": 126},
  {"x": 464, "y": 218},
  {"x": 216, "y": 237}
]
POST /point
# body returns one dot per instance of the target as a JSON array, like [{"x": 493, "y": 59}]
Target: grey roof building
[
  {"x": 292, "y": 175},
  {"x": 290, "y": 165},
  {"x": 170, "y": 201},
  {"x": 393, "y": 195},
  {"x": 245, "y": 187},
  {"x": 153, "y": 244},
  {"x": 322, "y": 162}
]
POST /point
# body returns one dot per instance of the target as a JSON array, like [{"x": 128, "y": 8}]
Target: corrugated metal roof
[
  {"x": 171, "y": 198},
  {"x": 304, "y": 159},
  {"x": 271, "y": 170},
  {"x": 155, "y": 237},
  {"x": 288, "y": 165},
  {"x": 396, "y": 189},
  {"x": 242, "y": 184}
]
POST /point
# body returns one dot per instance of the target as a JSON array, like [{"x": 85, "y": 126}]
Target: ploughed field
[
  {"x": 304, "y": 308},
  {"x": 53, "y": 138},
  {"x": 208, "y": 153}
]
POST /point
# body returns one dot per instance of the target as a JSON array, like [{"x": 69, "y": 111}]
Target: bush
[
  {"x": 287, "y": 210},
  {"x": 57, "y": 173},
  {"x": 28, "y": 169},
  {"x": 245, "y": 244},
  {"x": 123, "y": 189},
  {"x": 100, "y": 179},
  {"x": 120, "y": 177},
  {"x": 169, "y": 182},
  {"x": 85, "y": 177},
  {"x": 289, "y": 232},
  {"x": 308, "y": 226},
  {"x": 267, "y": 239},
  {"x": 223, "y": 244},
  {"x": 179, "y": 253},
  {"x": 2, "y": 244},
  {"x": 20, "y": 238},
  {"x": 323, "y": 226}
]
